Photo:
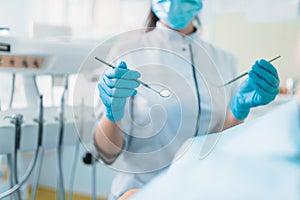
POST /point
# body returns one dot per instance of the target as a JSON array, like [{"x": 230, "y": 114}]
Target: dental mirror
[{"x": 163, "y": 93}]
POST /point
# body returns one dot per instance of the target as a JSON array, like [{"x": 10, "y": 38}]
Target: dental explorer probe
[
  {"x": 246, "y": 73},
  {"x": 162, "y": 93}
]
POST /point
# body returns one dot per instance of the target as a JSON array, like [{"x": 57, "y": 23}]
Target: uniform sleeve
[
  {"x": 112, "y": 57},
  {"x": 98, "y": 153}
]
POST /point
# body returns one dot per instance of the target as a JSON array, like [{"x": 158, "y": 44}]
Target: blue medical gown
[{"x": 256, "y": 160}]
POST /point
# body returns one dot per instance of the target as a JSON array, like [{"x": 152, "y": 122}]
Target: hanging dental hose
[
  {"x": 76, "y": 153},
  {"x": 89, "y": 159},
  {"x": 10, "y": 170},
  {"x": 18, "y": 122},
  {"x": 94, "y": 175},
  {"x": 61, "y": 195},
  {"x": 40, "y": 150},
  {"x": 12, "y": 159},
  {"x": 13, "y": 81},
  {"x": 25, "y": 177}
]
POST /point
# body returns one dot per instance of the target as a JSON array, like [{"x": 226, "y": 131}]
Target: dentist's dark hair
[{"x": 151, "y": 21}]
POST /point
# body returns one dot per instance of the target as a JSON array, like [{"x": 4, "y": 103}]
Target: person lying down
[{"x": 259, "y": 159}]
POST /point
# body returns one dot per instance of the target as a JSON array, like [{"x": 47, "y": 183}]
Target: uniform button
[{"x": 183, "y": 49}]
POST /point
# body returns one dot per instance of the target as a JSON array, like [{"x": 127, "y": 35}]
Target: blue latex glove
[
  {"x": 115, "y": 87},
  {"x": 260, "y": 88}
]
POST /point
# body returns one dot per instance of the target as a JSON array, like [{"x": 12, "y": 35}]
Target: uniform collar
[{"x": 177, "y": 35}]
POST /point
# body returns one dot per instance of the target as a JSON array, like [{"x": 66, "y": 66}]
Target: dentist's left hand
[
  {"x": 261, "y": 87},
  {"x": 115, "y": 87}
]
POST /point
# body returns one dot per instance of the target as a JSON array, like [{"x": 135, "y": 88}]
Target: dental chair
[{"x": 259, "y": 159}]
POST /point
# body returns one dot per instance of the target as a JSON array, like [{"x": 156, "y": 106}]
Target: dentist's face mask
[{"x": 176, "y": 13}]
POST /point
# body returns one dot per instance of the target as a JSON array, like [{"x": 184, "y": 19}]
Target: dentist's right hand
[{"x": 115, "y": 86}]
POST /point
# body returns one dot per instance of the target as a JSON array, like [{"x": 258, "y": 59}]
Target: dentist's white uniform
[{"x": 164, "y": 58}]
